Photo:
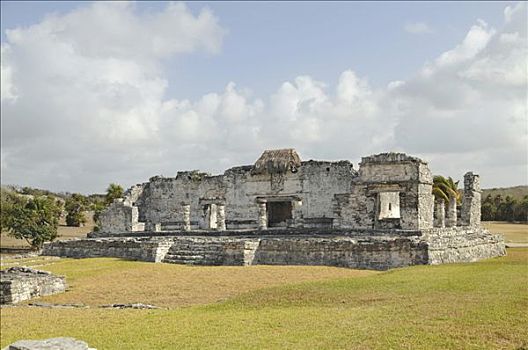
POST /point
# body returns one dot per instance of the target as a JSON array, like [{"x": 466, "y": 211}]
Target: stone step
[
  {"x": 192, "y": 252},
  {"x": 196, "y": 249},
  {"x": 192, "y": 262},
  {"x": 184, "y": 257},
  {"x": 192, "y": 257}
]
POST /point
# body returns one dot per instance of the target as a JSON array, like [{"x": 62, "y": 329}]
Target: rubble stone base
[
  {"x": 23, "y": 283},
  {"x": 379, "y": 250}
]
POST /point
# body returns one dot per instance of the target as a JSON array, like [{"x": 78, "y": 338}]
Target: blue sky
[
  {"x": 152, "y": 88},
  {"x": 271, "y": 42}
]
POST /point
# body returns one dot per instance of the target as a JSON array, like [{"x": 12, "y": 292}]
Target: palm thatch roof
[{"x": 277, "y": 161}]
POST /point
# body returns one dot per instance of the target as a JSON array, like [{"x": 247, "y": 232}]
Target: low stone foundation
[
  {"x": 452, "y": 245},
  {"x": 22, "y": 283},
  {"x": 381, "y": 250},
  {"x": 377, "y": 253},
  {"x": 151, "y": 249}
]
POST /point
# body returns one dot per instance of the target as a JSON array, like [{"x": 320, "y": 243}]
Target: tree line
[
  {"x": 499, "y": 208},
  {"x": 33, "y": 215}
]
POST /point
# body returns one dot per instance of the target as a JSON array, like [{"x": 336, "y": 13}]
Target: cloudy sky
[{"x": 93, "y": 93}]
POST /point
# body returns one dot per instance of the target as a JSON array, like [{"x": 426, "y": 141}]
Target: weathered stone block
[{"x": 23, "y": 283}]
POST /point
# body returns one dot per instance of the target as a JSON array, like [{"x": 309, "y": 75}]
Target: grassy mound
[{"x": 461, "y": 306}]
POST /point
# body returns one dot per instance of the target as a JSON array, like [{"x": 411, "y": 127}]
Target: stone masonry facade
[{"x": 282, "y": 210}]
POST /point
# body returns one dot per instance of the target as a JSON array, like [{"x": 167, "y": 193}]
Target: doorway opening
[{"x": 279, "y": 213}]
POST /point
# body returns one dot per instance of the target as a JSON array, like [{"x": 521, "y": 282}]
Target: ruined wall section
[
  {"x": 388, "y": 173},
  {"x": 369, "y": 249},
  {"x": 151, "y": 249},
  {"x": 314, "y": 184},
  {"x": 163, "y": 199},
  {"x": 322, "y": 193},
  {"x": 462, "y": 244},
  {"x": 243, "y": 189},
  {"x": 355, "y": 209},
  {"x": 120, "y": 217},
  {"x": 320, "y": 181},
  {"x": 471, "y": 200},
  {"x": 241, "y": 210},
  {"x": 133, "y": 194},
  {"x": 425, "y": 197}
]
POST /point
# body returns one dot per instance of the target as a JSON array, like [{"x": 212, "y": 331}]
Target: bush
[
  {"x": 75, "y": 206},
  {"x": 35, "y": 220}
]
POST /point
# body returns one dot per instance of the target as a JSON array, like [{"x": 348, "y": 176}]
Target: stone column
[
  {"x": 451, "y": 214},
  {"x": 212, "y": 217},
  {"x": 439, "y": 213},
  {"x": 471, "y": 200},
  {"x": 262, "y": 215},
  {"x": 220, "y": 217},
  {"x": 297, "y": 213},
  {"x": 186, "y": 217}
]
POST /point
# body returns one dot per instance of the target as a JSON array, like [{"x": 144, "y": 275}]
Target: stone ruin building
[{"x": 282, "y": 210}]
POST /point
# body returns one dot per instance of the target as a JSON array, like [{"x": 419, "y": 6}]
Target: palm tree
[
  {"x": 112, "y": 192},
  {"x": 447, "y": 190}
]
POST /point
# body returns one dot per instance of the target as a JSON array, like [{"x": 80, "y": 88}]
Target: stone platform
[
  {"x": 23, "y": 283},
  {"x": 364, "y": 249}
]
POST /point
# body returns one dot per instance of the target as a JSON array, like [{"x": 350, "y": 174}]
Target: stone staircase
[{"x": 205, "y": 251}]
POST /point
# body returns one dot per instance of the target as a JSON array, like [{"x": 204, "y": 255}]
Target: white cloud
[
  {"x": 476, "y": 39},
  {"x": 78, "y": 114},
  {"x": 89, "y": 89},
  {"x": 417, "y": 28},
  {"x": 8, "y": 92},
  {"x": 470, "y": 106}
]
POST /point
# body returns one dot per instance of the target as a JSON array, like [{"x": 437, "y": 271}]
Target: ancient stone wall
[
  {"x": 390, "y": 191},
  {"x": 120, "y": 217},
  {"x": 370, "y": 249},
  {"x": 404, "y": 181},
  {"x": 374, "y": 252},
  {"x": 355, "y": 209},
  {"x": 367, "y": 253},
  {"x": 161, "y": 200},
  {"x": 462, "y": 244},
  {"x": 22, "y": 283},
  {"x": 151, "y": 249}
]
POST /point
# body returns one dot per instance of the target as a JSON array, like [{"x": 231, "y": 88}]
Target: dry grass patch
[
  {"x": 107, "y": 280},
  {"x": 517, "y": 233},
  {"x": 456, "y": 306}
]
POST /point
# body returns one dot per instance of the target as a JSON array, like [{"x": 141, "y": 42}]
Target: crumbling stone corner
[{"x": 471, "y": 200}]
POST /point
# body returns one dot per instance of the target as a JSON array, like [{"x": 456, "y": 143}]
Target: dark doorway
[{"x": 279, "y": 213}]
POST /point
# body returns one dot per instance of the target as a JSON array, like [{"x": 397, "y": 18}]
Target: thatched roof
[{"x": 277, "y": 161}]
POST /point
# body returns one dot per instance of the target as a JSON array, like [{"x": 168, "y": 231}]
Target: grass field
[
  {"x": 517, "y": 233},
  {"x": 459, "y": 306}
]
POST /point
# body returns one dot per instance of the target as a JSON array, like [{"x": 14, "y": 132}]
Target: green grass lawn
[{"x": 481, "y": 305}]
